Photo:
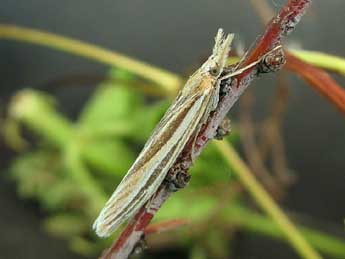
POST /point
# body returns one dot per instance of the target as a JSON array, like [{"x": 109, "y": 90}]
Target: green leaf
[
  {"x": 198, "y": 252},
  {"x": 85, "y": 247},
  {"x": 145, "y": 120},
  {"x": 37, "y": 111},
  {"x": 112, "y": 106},
  {"x": 66, "y": 225},
  {"x": 107, "y": 155},
  {"x": 209, "y": 168},
  {"x": 185, "y": 204},
  {"x": 63, "y": 194},
  {"x": 33, "y": 173}
]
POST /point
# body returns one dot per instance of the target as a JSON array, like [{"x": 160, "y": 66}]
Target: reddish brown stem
[
  {"x": 280, "y": 26},
  {"x": 135, "y": 229},
  {"x": 318, "y": 79}
]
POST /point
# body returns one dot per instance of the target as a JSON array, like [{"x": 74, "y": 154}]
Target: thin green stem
[
  {"x": 322, "y": 60},
  {"x": 256, "y": 223},
  {"x": 264, "y": 200},
  {"x": 167, "y": 80}
]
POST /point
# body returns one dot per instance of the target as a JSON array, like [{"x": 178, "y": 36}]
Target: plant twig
[
  {"x": 320, "y": 80},
  {"x": 281, "y": 25}
]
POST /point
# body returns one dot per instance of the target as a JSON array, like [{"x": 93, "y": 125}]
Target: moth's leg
[
  {"x": 177, "y": 177},
  {"x": 223, "y": 129}
]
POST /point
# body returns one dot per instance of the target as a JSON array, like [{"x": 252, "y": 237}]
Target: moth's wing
[{"x": 150, "y": 168}]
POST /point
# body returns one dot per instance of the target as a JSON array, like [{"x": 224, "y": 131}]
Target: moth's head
[{"x": 216, "y": 62}]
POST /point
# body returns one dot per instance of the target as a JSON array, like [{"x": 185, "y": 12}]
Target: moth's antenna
[{"x": 241, "y": 70}]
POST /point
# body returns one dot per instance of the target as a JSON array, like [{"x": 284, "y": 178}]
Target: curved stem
[
  {"x": 321, "y": 60},
  {"x": 264, "y": 200},
  {"x": 167, "y": 80}
]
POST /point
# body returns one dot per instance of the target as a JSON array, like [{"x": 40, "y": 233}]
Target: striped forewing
[{"x": 158, "y": 156}]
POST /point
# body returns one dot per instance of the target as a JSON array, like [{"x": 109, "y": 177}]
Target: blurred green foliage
[{"x": 74, "y": 166}]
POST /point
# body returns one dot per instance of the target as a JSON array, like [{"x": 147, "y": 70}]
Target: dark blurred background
[{"x": 175, "y": 35}]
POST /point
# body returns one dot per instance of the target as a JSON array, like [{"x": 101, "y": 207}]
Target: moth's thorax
[{"x": 207, "y": 82}]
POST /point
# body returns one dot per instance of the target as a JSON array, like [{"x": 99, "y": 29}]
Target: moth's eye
[{"x": 214, "y": 71}]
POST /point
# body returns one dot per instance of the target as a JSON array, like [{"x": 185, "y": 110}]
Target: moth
[{"x": 181, "y": 122}]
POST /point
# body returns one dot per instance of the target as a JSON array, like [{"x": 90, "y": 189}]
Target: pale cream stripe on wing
[{"x": 132, "y": 193}]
